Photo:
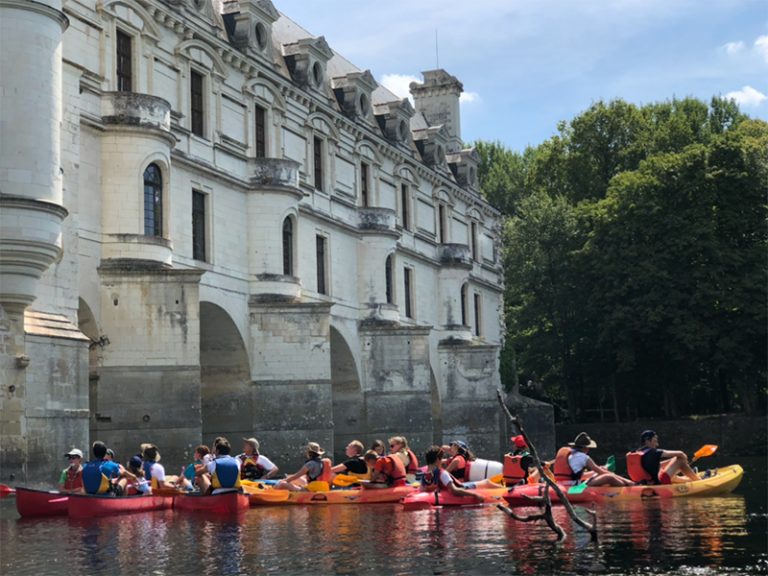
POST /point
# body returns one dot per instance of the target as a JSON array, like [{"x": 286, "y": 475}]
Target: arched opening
[
  {"x": 437, "y": 409},
  {"x": 349, "y": 421},
  {"x": 225, "y": 382},
  {"x": 288, "y": 246},
  {"x": 464, "y": 304},
  {"x": 153, "y": 201},
  {"x": 388, "y": 280}
]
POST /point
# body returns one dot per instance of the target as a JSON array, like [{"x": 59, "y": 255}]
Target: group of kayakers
[{"x": 447, "y": 467}]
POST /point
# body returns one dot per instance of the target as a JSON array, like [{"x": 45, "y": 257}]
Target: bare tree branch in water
[{"x": 545, "y": 501}]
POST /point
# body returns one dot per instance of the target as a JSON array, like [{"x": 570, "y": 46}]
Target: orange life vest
[
  {"x": 635, "y": 468},
  {"x": 513, "y": 470},
  {"x": 393, "y": 468},
  {"x": 326, "y": 475},
  {"x": 413, "y": 462},
  {"x": 561, "y": 468}
]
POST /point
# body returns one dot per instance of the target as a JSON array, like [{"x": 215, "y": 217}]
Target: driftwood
[{"x": 544, "y": 500}]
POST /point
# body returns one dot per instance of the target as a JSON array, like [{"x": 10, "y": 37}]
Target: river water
[{"x": 696, "y": 537}]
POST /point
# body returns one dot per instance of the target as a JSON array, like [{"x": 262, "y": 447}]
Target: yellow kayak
[
  {"x": 268, "y": 495},
  {"x": 711, "y": 483}
]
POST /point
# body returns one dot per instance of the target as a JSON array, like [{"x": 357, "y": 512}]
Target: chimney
[{"x": 437, "y": 98}]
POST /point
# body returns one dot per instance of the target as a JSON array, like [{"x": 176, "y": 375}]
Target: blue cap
[
  {"x": 135, "y": 461},
  {"x": 461, "y": 444},
  {"x": 647, "y": 435}
]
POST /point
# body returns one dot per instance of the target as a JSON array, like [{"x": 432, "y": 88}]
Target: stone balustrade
[
  {"x": 454, "y": 255},
  {"x": 133, "y": 109}
]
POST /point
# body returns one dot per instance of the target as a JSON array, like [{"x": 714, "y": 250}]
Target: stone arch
[
  {"x": 407, "y": 173},
  {"x": 226, "y": 393},
  {"x": 274, "y": 98},
  {"x": 149, "y": 26},
  {"x": 187, "y": 47},
  {"x": 349, "y": 418},
  {"x": 317, "y": 122},
  {"x": 365, "y": 150}
]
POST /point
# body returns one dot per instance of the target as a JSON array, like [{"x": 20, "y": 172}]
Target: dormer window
[
  {"x": 393, "y": 118},
  {"x": 353, "y": 93},
  {"x": 306, "y": 59},
  {"x": 317, "y": 75},
  {"x": 260, "y": 36}
]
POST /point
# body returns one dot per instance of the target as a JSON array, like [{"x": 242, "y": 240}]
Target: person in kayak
[
  {"x": 398, "y": 445},
  {"x": 459, "y": 456},
  {"x": 518, "y": 464},
  {"x": 101, "y": 476},
  {"x": 255, "y": 466},
  {"x": 222, "y": 473},
  {"x": 355, "y": 464},
  {"x": 188, "y": 477},
  {"x": 378, "y": 447},
  {"x": 572, "y": 461},
  {"x": 154, "y": 472},
  {"x": 315, "y": 469},
  {"x": 139, "y": 483},
  {"x": 644, "y": 465},
  {"x": 388, "y": 472},
  {"x": 437, "y": 479},
  {"x": 71, "y": 479}
]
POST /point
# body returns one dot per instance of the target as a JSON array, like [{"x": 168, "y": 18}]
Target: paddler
[
  {"x": 388, "y": 472},
  {"x": 378, "y": 447},
  {"x": 355, "y": 464},
  {"x": 188, "y": 477},
  {"x": 398, "y": 445},
  {"x": 518, "y": 463},
  {"x": 222, "y": 473},
  {"x": 459, "y": 456},
  {"x": 71, "y": 479},
  {"x": 255, "y": 466},
  {"x": 154, "y": 472},
  {"x": 101, "y": 476},
  {"x": 572, "y": 461},
  {"x": 315, "y": 469},
  {"x": 648, "y": 467},
  {"x": 437, "y": 479}
]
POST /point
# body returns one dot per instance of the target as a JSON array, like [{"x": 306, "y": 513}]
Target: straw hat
[
  {"x": 315, "y": 448},
  {"x": 583, "y": 441}
]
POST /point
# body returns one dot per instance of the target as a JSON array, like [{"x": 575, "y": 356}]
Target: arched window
[
  {"x": 464, "y": 292},
  {"x": 288, "y": 246},
  {"x": 388, "y": 273},
  {"x": 153, "y": 201}
]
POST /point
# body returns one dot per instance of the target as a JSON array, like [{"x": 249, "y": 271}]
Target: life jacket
[
  {"x": 513, "y": 470},
  {"x": 463, "y": 472},
  {"x": 326, "y": 475},
  {"x": 362, "y": 476},
  {"x": 561, "y": 468},
  {"x": 635, "y": 468},
  {"x": 430, "y": 481},
  {"x": 250, "y": 468},
  {"x": 94, "y": 480},
  {"x": 74, "y": 480},
  {"x": 226, "y": 474},
  {"x": 413, "y": 462},
  {"x": 393, "y": 468}
]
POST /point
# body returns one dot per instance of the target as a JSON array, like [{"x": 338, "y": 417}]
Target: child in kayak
[
  {"x": 139, "y": 482},
  {"x": 435, "y": 478},
  {"x": 188, "y": 477}
]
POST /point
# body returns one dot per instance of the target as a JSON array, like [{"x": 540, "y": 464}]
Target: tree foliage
[{"x": 635, "y": 254}]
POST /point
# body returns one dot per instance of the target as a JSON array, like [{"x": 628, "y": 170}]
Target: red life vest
[
  {"x": 635, "y": 468},
  {"x": 74, "y": 480},
  {"x": 461, "y": 473},
  {"x": 513, "y": 470},
  {"x": 413, "y": 462},
  {"x": 561, "y": 468},
  {"x": 392, "y": 467},
  {"x": 326, "y": 475}
]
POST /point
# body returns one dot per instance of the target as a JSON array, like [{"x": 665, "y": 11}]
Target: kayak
[
  {"x": 425, "y": 500},
  {"x": 93, "y": 505},
  {"x": 720, "y": 481},
  {"x": 31, "y": 502},
  {"x": 346, "y": 496},
  {"x": 226, "y": 503}
]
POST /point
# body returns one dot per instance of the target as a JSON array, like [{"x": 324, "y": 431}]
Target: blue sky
[{"x": 527, "y": 64}]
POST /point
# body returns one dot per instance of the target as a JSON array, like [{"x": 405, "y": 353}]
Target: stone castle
[{"x": 212, "y": 223}]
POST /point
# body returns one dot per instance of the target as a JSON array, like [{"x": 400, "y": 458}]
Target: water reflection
[{"x": 713, "y": 536}]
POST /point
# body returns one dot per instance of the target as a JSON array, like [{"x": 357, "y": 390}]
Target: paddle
[
  {"x": 578, "y": 488},
  {"x": 6, "y": 491},
  {"x": 610, "y": 464},
  {"x": 498, "y": 479},
  {"x": 345, "y": 480},
  {"x": 704, "y": 451}
]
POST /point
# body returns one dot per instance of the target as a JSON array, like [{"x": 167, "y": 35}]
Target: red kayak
[
  {"x": 41, "y": 502},
  {"x": 425, "y": 500},
  {"x": 227, "y": 503},
  {"x": 93, "y": 505}
]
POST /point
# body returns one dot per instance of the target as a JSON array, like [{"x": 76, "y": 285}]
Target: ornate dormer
[
  {"x": 394, "y": 119},
  {"x": 432, "y": 143},
  {"x": 353, "y": 93},
  {"x": 307, "y": 60},
  {"x": 437, "y": 98},
  {"x": 249, "y": 25},
  {"x": 464, "y": 165}
]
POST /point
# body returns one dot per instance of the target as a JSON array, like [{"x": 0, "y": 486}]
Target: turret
[{"x": 437, "y": 98}]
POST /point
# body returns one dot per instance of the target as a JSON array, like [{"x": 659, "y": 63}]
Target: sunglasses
[
  {"x": 73, "y": 457},
  {"x": 394, "y": 445}
]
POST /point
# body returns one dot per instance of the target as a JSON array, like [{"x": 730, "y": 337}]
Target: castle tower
[{"x": 437, "y": 98}]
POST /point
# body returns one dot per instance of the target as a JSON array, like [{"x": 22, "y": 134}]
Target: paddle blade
[
  {"x": 610, "y": 464},
  {"x": 704, "y": 451},
  {"x": 6, "y": 491},
  {"x": 578, "y": 488},
  {"x": 498, "y": 479}
]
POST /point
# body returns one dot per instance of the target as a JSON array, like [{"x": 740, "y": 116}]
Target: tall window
[
  {"x": 408, "y": 287},
  {"x": 288, "y": 246},
  {"x": 473, "y": 241},
  {"x": 317, "y": 157},
  {"x": 464, "y": 304},
  {"x": 405, "y": 212},
  {"x": 388, "y": 280},
  {"x": 261, "y": 132},
  {"x": 478, "y": 310},
  {"x": 198, "y": 226},
  {"x": 197, "y": 106},
  {"x": 442, "y": 224},
  {"x": 153, "y": 201},
  {"x": 321, "y": 254},
  {"x": 124, "y": 62},
  {"x": 364, "y": 184}
]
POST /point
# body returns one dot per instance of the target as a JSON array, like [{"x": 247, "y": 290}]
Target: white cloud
[
  {"x": 469, "y": 97},
  {"x": 747, "y": 96},
  {"x": 761, "y": 46},
  {"x": 732, "y": 48},
  {"x": 399, "y": 84}
]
